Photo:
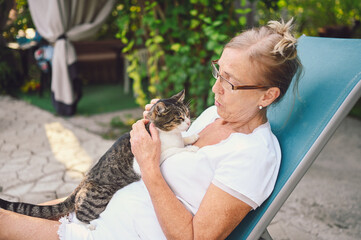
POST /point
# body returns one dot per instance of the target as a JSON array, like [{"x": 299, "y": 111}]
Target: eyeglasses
[{"x": 229, "y": 86}]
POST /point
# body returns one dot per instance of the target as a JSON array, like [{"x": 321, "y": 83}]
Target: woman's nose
[{"x": 217, "y": 86}]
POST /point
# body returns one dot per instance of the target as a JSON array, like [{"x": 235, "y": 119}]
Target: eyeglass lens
[{"x": 215, "y": 72}]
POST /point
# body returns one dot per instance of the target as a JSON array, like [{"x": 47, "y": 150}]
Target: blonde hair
[{"x": 272, "y": 51}]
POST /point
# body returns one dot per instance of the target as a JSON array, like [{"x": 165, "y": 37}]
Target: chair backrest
[{"x": 303, "y": 124}]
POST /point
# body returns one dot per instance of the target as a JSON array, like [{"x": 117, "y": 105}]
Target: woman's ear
[{"x": 270, "y": 96}]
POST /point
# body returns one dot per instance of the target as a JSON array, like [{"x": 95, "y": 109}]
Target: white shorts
[{"x": 129, "y": 215}]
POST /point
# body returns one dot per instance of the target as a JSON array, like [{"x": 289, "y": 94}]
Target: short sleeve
[{"x": 248, "y": 174}]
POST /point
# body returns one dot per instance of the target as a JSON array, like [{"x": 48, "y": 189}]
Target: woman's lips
[{"x": 217, "y": 103}]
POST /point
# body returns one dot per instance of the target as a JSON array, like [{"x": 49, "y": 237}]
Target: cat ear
[
  {"x": 180, "y": 96},
  {"x": 159, "y": 107}
]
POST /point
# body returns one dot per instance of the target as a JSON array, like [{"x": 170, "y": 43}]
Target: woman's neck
[{"x": 246, "y": 127}]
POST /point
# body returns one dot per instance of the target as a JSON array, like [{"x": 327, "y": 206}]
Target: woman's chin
[{"x": 219, "y": 110}]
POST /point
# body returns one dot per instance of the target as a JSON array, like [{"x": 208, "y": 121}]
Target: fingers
[
  {"x": 149, "y": 106},
  {"x": 154, "y": 132},
  {"x": 139, "y": 131},
  {"x": 138, "y": 128},
  {"x": 154, "y": 100},
  {"x": 145, "y": 113},
  {"x": 139, "y": 125}
]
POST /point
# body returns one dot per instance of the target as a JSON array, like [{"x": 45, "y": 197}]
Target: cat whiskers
[{"x": 188, "y": 103}]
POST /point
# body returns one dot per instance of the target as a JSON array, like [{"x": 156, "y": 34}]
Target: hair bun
[{"x": 286, "y": 47}]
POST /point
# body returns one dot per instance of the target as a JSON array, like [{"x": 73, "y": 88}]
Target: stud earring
[{"x": 260, "y": 107}]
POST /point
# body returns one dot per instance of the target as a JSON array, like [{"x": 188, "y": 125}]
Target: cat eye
[{"x": 227, "y": 84}]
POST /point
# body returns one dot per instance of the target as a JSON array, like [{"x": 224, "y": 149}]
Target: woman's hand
[
  {"x": 149, "y": 106},
  {"x": 145, "y": 146}
]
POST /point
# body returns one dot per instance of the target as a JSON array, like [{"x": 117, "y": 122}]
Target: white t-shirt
[{"x": 243, "y": 165}]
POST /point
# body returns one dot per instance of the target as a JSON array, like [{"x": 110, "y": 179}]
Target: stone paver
[{"x": 43, "y": 157}]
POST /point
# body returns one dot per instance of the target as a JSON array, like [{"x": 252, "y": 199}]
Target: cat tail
[{"x": 53, "y": 212}]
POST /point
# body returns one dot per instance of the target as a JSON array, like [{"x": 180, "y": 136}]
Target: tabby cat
[{"x": 115, "y": 169}]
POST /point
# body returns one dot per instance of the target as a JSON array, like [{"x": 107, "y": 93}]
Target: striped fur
[{"x": 113, "y": 171}]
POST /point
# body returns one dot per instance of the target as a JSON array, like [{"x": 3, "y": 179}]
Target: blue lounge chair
[{"x": 303, "y": 124}]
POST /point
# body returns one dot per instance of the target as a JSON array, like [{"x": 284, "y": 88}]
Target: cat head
[{"x": 171, "y": 113}]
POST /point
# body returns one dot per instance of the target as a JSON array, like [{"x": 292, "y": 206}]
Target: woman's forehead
[
  {"x": 232, "y": 56},
  {"x": 235, "y": 62}
]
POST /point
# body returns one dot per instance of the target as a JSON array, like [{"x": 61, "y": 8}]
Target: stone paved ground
[{"x": 43, "y": 157}]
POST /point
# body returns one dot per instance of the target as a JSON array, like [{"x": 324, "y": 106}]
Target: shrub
[
  {"x": 10, "y": 79},
  {"x": 170, "y": 44}
]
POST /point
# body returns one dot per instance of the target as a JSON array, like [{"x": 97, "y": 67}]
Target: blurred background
[
  {"x": 146, "y": 49},
  {"x": 135, "y": 50}
]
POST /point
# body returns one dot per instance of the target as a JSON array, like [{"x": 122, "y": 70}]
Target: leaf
[
  {"x": 175, "y": 47},
  {"x": 193, "y": 12},
  {"x": 243, "y": 10},
  {"x": 194, "y": 23},
  {"x": 151, "y": 6},
  {"x": 148, "y": 42},
  {"x": 218, "y": 7},
  {"x": 152, "y": 89},
  {"x": 217, "y": 23},
  {"x": 242, "y": 20},
  {"x": 207, "y": 20},
  {"x": 128, "y": 47},
  {"x": 211, "y": 45},
  {"x": 204, "y": 2},
  {"x": 158, "y": 39}
]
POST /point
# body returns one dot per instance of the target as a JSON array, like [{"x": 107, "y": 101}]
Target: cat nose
[{"x": 188, "y": 121}]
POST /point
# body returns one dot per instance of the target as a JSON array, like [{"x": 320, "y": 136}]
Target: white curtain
[{"x": 60, "y": 22}]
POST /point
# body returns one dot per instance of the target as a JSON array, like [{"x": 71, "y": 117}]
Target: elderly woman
[{"x": 202, "y": 195}]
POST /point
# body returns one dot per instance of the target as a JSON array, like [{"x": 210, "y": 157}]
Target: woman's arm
[
  {"x": 16, "y": 226},
  {"x": 54, "y": 202},
  {"x": 218, "y": 214}
]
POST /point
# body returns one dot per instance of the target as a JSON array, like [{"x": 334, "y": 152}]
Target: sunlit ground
[{"x": 66, "y": 147}]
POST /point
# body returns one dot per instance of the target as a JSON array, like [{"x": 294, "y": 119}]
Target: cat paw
[
  {"x": 191, "y": 139},
  {"x": 195, "y": 137}
]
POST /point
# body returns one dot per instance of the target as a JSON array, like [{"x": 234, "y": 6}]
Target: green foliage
[
  {"x": 311, "y": 15},
  {"x": 10, "y": 79},
  {"x": 119, "y": 126},
  {"x": 21, "y": 22},
  {"x": 180, "y": 39}
]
